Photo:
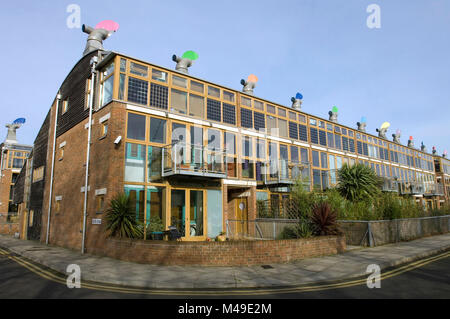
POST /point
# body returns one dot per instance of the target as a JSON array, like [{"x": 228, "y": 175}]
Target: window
[
  {"x": 122, "y": 86},
  {"x": 123, "y": 65},
  {"x": 293, "y": 116},
  {"x": 272, "y": 125},
  {"x": 322, "y": 138},
  {"x": 178, "y": 101},
  {"x": 312, "y": 122},
  {"x": 38, "y": 174},
  {"x": 260, "y": 149},
  {"x": 107, "y": 91},
  {"x": 301, "y": 118},
  {"x": 61, "y": 153},
  {"x": 282, "y": 127},
  {"x": 258, "y": 105},
  {"x": 154, "y": 161},
  {"x": 157, "y": 130},
  {"x": 323, "y": 160},
  {"x": 196, "y": 105},
  {"x": 134, "y": 162},
  {"x": 271, "y": 109},
  {"x": 228, "y": 96},
  {"x": 214, "y": 92},
  {"x": 330, "y": 139},
  {"x": 138, "y": 69},
  {"x": 136, "y": 126},
  {"x": 65, "y": 106},
  {"x": 281, "y": 112},
  {"x": 104, "y": 129},
  {"x": 246, "y": 146},
  {"x": 197, "y": 87},
  {"x": 179, "y": 81},
  {"x": 315, "y": 158},
  {"x": 158, "y": 75},
  {"x": 246, "y": 101},
  {"x": 100, "y": 204},
  {"x": 137, "y": 91}
]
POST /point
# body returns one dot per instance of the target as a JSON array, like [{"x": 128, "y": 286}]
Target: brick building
[{"x": 187, "y": 151}]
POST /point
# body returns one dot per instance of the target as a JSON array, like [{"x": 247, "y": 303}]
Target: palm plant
[
  {"x": 358, "y": 182},
  {"x": 121, "y": 218}
]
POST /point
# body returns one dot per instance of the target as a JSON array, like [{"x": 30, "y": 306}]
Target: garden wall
[
  {"x": 391, "y": 231},
  {"x": 9, "y": 228},
  {"x": 228, "y": 253}
]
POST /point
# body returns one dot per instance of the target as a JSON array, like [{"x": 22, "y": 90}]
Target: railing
[
  {"x": 389, "y": 185},
  {"x": 420, "y": 188},
  {"x": 194, "y": 160},
  {"x": 285, "y": 172}
]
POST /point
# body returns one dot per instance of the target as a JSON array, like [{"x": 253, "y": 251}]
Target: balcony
[
  {"x": 433, "y": 189},
  {"x": 279, "y": 172},
  {"x": 193, "y": 160},
  {"x": 389, "y": 185}
]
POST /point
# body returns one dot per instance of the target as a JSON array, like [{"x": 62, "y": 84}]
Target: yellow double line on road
[
  {"x": 60, "y": 278},
  {"x": 3, "y": 252}
]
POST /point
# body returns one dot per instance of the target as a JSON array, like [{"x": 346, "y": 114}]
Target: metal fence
[
  {"x": 379, "y": 232},
  {"x": 258, "y": 229},
  {"x": 360, "y": 233}
]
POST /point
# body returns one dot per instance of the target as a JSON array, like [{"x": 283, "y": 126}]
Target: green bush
[
  {"x": 324, "y": 219},
  {"x": 358, "y": 182},
  {"x": 303, "y": 229},
  {"x": 121, "y": 218}
]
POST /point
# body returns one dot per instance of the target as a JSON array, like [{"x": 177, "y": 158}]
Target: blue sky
[{"x": 321, "y": 48}]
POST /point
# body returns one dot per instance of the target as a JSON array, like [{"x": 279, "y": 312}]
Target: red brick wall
[
  {"x": 229, "y": 253},
  {"x": 8, "y": 228}
]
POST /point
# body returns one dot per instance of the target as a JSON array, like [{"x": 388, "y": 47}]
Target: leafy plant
[
  {"x": 358, "y": 182},
  {"x": 262, "y": 209},
  {"x": 121, "y": 218},
  {"x": 155, "y": 224},
  {"x": 303, "y": 229},
  {"x": 324, "y": 219}
]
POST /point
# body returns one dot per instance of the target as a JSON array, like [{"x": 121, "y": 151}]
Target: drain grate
[{"x": 267, "y": 266}]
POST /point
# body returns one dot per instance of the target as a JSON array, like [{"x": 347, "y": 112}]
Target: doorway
[
  {"x": 187, "y": 213},
  {"x": 241, "y": 216}
]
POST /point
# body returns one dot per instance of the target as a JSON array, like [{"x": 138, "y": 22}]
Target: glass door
[{"x": 187, "y": 212}]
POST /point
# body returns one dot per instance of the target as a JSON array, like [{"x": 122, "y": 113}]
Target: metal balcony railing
[
  {"x": 285, "y": 172},
  {"x": 389, "y": 185},
  {"x": 193, "y": 160}
]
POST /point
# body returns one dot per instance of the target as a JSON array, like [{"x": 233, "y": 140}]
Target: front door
[
  {"x": 187, "y": 213},
  {"x": 241, "y": 216}
]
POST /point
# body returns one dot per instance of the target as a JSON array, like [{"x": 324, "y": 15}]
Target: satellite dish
[
  {"x": 109, "y": 25},
  {"x": 385, "y": 125},
  {"x": 299, "y": 96},
  {"x": 252, "y": 78},
  {"x": 191, "y": 55},
  {"x": 20, "y": 121}
]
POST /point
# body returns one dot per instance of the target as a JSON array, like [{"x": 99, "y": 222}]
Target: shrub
[
  {"x": 324, "y": 219},
  {"x": 262, "y": 209},
  {"x": 303, "y": 229},
  {"x": 121, "y": 218},
  {"x": 358, "y": 182}
]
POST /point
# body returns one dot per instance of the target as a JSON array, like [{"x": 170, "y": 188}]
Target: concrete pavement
[{"x": 352, "y": 264}]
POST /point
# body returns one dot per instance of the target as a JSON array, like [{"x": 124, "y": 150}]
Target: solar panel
[
  {"x": 159, "y": 96},
  {"x": 314, "y": 136},
  {"x": 229, "y": 114},
  {"x": 259, "y": 121},
  {"x": 293, "y": 130},
  {"x": 246, "y": 118},
  {"x": 303, "y": 133},
  {"x": 137, "y": 91},
  {"x": 213, "y": 110}
]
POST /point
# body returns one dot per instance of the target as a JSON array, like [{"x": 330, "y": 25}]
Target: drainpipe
[
  {"x": 94, "y": 61},
  {"x": 58, "y": 101}
]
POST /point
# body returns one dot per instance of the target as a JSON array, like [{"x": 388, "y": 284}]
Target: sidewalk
[{"x": 351, "y": 264}]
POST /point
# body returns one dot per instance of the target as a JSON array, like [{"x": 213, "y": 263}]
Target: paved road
[{"x": 429, "y": 278}]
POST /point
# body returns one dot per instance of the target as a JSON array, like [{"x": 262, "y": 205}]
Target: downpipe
[{"x": 94, "y": 61}]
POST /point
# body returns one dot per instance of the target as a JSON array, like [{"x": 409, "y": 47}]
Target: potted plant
[
  {"x": 221, "y": 237},
  {"x": 155, "y": 228}
]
